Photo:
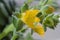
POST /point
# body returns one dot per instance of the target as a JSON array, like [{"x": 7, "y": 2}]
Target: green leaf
[
  {"x": 17, "y": 14},
  {"x": 45, "y": 27},
  {"x": 56, "y": 19},
  {"x": 48, "y": 21},
  {"x": 43, "y": 2},
  {"x": 9, "y": 28},
  {"x": 24, "y": 8},
  {"x": 41, "y": 18},
  {"x": 23, "y": 30},
  {"x": 51, "y": 21},
  {"x": 39, "y": 14}
]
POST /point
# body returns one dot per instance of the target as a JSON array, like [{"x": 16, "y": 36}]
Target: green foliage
[
  {"x": 24, "y": 7},
  {"x": 17, "y": 23},
  {"x": 7, "y": 30},
  {"x": 51, "y": 21}
]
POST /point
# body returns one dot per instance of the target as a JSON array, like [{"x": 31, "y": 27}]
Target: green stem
[
  {"x": 15, "y": 35},
  {"x": 2, "y": 35},
  {"x": 7, "y": 30},
  {"x": 22, "y": 29}
]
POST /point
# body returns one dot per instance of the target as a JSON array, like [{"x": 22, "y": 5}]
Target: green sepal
[
  {"x": 48, "y": 21},
  {"x": 45, "y": 28},
  {"x": 17, "y": 23},
  {"x": 24, "y": 7}
]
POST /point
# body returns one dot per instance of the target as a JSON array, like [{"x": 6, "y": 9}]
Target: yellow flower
[
  {"x": 29, "y": 18},
  {"x": 37, "y": 19},
  {"x": 40, "y": 30}
]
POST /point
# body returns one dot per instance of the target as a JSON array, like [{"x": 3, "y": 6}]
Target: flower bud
[{"x": 47, "y": 9}]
